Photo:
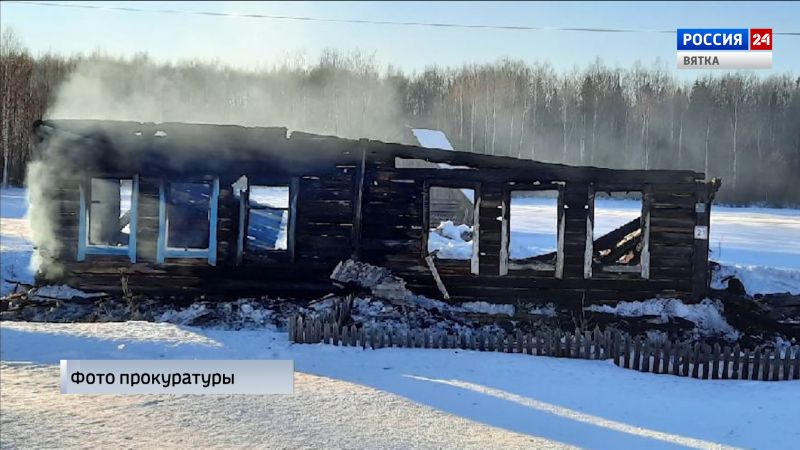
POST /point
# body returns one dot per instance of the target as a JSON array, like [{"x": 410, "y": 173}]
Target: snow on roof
[
  {"x": 432, "y": 138},
  {"x": 437, "y": 139}
]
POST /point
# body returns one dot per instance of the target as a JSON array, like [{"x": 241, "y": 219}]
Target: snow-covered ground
[
  {"x": 16, "y": 249},
  {"x": 400, "y": 398}
]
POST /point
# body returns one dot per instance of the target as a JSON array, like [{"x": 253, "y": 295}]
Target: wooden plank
[
  {"x": 647, "y": 349},
  {"x": 664, "y": 356},
  {"x": 775, "y": 365},
  {"x": 539, "y": 344},
  {"x": 796, "y": 365},
  {"x": 735, "y": 373},
  {"x": 587, "y": 345},
  {"x": 726, "y": 359},
  {"x": 437, "y": 278},
  {"x": 756, "y": 365},
  {"x": 597, "y": 344},
  {"x": 578, "y": 342},
  {"x": 686, "y": 356},
  {"x": 626, "y": 352},
  {"x": 568, "y": 344},
  {"x": 745, "y": 375},
  {"x": 786, "y": 364},
  {"x": 618, "y": 348},
  {"x": 676, "y": 360},
  {"x": 715, "y": 359},
  {"x": 696, "y": 360},
  {"x": 766, "y": 366},
  {"x": 704, "y": 361}
]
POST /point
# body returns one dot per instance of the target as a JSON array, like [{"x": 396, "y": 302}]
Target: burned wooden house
[{"x": 230, "y": 210}]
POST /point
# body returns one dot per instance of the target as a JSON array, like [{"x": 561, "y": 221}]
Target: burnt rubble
[{"x": 376, "y": 297}]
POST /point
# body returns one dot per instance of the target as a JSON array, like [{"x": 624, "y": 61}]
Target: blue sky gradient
[{"x": 252, "y": 43}]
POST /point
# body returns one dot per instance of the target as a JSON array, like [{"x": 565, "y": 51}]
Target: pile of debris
[
  {"x": 380, "y": 299},
  {"x": 64, "y": 304}
]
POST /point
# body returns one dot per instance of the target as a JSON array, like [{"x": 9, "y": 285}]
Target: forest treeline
[{"x": 740, "y": 127}]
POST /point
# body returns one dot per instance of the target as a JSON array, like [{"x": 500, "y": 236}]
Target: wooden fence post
[
  {"x": 726, "y": 359},
  {"x": 696, "y": 361},
  {"x": 704, "y": 361},
  {"x": 686, "y": 354},
  {"x": 736, "y": 373},
  {"x": 775, "y": 365},
  {"x": 756, "y": 365},
  {"x": 529, "y": 343},
  {"x": 746, "y": 364},
  {"x": 627, "y": 351},
  {"x": 637, "y": 353},
  {"x": 646, "y": 356},
  {"x": 596, "y": 343},
  {"x": 666, "y": 351},
  {"x": 765, "y": 364},
  {"x": 786, "y": 363},
  {"x": 715, "y": 364}
]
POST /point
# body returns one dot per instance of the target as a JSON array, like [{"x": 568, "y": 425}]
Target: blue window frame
[
  {"x": 107, "y": 222},
  {"x": 187, "y": 218}
]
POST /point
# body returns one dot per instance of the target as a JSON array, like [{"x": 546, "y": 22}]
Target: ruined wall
[{"x": 351, "y": 201}]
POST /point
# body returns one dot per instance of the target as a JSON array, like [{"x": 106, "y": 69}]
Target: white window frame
[
  {"x": 244, "y": 218},
  {"x": 475, "y": 187},
  {"x": 84, "y": 246},
  {"x": 643, "y": 268},
  {"x": 164, "y": 251},
  {"x": 506, "y": 262}
]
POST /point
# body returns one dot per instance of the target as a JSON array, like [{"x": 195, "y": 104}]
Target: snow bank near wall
[
  {"x": 489, "y": 308},
  {"x": 706, "y": 315},
  {"x": 758, "y": 279}
]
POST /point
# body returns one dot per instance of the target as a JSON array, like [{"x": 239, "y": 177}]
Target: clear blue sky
[{"x": 250, "y": 43}]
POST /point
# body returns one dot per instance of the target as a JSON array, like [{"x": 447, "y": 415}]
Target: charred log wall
[
  {"x": 396, "y": 225},
  {"x": 351, "y": 201}
]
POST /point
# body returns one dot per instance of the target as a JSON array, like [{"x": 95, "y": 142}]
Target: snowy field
[
  {"x": 16, "y": 249},
  {"x": 395, "y": 398},
  {"x": 399, "y": 398}
]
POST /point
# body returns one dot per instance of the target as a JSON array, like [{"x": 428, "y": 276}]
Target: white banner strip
[
  {"x": 724, "y": 60},
  {"x": 134, "y": 377}
]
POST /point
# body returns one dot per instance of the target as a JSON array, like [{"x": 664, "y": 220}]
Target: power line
[{"x": 361, "y": 21}]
